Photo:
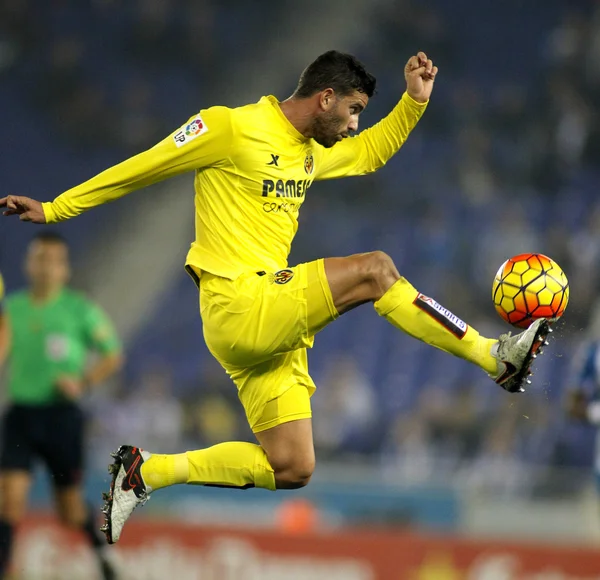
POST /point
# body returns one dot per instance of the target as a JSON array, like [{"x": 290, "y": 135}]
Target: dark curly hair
[{"x": 341, "y": 72}]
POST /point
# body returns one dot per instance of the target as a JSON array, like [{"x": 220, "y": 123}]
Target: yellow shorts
[{"x": 259, "y": 327}]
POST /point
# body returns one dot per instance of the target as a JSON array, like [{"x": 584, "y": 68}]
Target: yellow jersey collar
[{"x": 274, "y": 102}]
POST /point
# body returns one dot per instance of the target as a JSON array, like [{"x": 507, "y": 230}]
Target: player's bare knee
[
  {"x": 293, "y": 473},
  {"x": 293, "y": 482},
  {"x": 293, "y": 478},
  {"x": 379, "y": 272}
]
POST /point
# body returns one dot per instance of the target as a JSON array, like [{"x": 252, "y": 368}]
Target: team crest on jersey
[
  {"x": 450, "y": 321},
  {"x": 190, "y": 131},
  {"x": 281, "y": 277},
  {"x": 309, "y": 164}
]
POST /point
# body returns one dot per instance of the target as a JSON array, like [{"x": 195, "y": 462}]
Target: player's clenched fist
[
  {"x": 420, "y": 73},
  {"x": 28, "y": 210}
]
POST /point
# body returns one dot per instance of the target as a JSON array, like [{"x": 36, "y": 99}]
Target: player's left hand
[
  {"x": 71, "y": 387},
  {"x": 28, "y": 210},
  {"x": 420, "y": 74}
]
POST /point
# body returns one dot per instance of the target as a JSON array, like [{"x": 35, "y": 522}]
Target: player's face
[
  {"x": 338, "y": 117},
  {"x": 47, "y": 265}
]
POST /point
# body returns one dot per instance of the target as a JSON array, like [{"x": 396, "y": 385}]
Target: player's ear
[{"x": 326, "y": 99}]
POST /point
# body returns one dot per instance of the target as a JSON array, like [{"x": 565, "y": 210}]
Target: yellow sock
[
  {"x": 164, "y": 470},
  {"x": 227, "y": 464},
  {"x": 425, "y": 319}
]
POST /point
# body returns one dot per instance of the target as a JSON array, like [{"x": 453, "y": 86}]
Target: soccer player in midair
[
  {"x": 50, "y": 331},
  {"x": 253, "y": 168}
]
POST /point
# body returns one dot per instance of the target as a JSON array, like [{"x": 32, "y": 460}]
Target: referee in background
[{"x": 46, "y": 334}]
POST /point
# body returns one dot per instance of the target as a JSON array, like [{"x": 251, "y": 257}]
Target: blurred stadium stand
[{"x": 504, "y": 161}]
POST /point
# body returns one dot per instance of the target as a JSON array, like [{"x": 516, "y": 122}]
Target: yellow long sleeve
[
  {"x": 203, "y": 141},
  {"x": 371, "y": 149},
  {"x": 253, "y": 172}
]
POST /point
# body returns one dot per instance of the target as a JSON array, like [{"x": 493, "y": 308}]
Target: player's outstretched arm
[
  {"x": 203, "y": 141},
  {"x": 372, "y": 148}
]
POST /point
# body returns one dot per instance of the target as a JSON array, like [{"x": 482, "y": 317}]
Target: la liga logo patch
[
  {"x": 190, "y": 131},
  {"x": 194, "y": 128}
]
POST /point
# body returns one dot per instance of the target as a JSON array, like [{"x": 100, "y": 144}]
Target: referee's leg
[
  {"x": 64, "y": 456},
  {"x": 16, "y": 457},
  {"x": 14, "y": 489}
]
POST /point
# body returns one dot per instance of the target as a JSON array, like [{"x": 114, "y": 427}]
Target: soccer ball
[{"x": 528, "y": 287}]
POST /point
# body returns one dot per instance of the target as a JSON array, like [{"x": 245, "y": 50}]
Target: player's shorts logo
[
  {"x": 309, "y": 164},
  {"x": 283, "y": 276},
  {"x": 194, "y": 128}
]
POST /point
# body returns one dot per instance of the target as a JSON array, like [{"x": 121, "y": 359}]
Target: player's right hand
[{"x": 28, "y": 210}]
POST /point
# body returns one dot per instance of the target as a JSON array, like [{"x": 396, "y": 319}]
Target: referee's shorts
[{"x": 53, "y": 434}]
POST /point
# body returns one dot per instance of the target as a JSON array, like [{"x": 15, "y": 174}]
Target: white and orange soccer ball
[{"x": 530, "y": 286}]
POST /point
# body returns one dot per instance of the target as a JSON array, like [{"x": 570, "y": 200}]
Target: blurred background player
[
  {"x": 51, "y": 331},
  {"x": 583, "y": 400}
]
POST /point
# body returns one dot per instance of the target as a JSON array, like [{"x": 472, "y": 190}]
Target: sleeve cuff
[
  {"x": 49, "y": 212},
  {"x": 407, "y": 99}
]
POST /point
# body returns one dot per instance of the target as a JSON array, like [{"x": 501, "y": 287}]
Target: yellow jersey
[{"x": 253, "y": 170}]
